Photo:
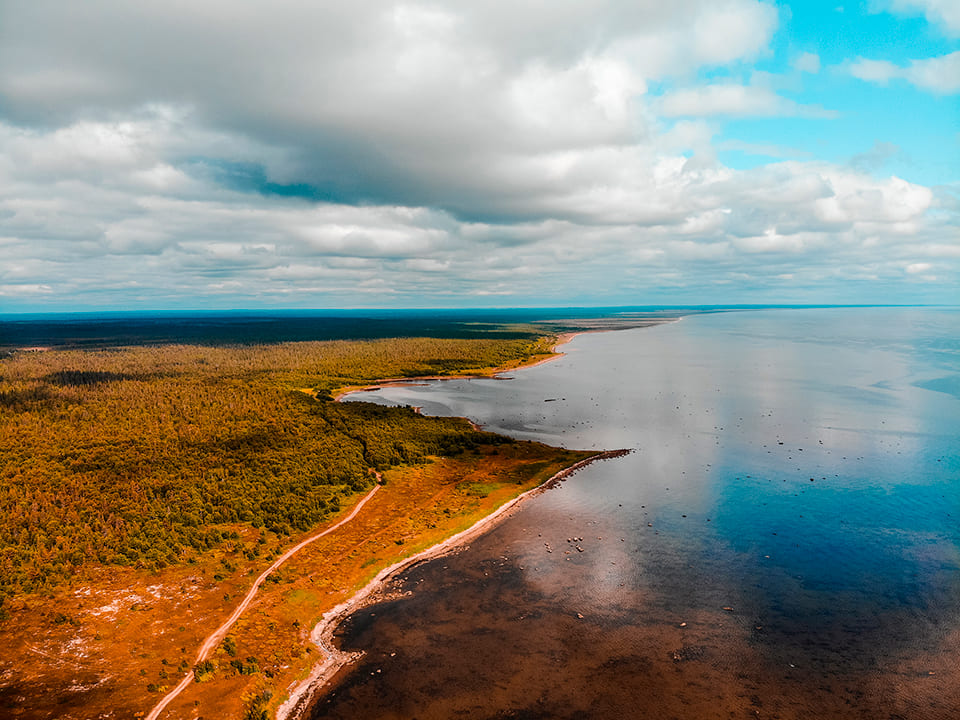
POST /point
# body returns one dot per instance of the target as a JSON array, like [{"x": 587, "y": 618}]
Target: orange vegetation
[
  {"x": 129, "y": 635},
  {"x": 144, "y": 489}
]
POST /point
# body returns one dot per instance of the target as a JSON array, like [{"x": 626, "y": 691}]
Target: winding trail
[{"x": 211, "y": 642}]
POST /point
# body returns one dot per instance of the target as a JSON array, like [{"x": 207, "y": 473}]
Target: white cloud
[
  {"x": 878, "y": 71},
  {"x": 734, "y": 100},
  {"x": 416, "y": 152},
  {"x": 939, "y": 75},
  {"x": 579, "y": 106},
  {"x": 466, "y": 107},
  {"x": 771, "y": 242},
  {"x": 944, "y": 12},
  {"x": 874, "y": 158},
  {"x": 727, "y": 31},
  {"x": 857, "y": 200},
  {"x": 767, "y": 149},
  {"x": 635, "y": 218},
  {"x": 24, "y": 289},
  {"x": 807, "y": 62}
]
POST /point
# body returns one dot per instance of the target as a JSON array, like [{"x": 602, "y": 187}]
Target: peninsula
[{"x": 153, "y": 487}]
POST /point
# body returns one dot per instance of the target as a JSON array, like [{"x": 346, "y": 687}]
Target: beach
[{"x": 375, "y": 591}]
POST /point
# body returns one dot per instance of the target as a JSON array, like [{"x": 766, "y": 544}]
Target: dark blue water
[
  {"x": 783, "y": 541},
  {"x": 244, "y": 327}
]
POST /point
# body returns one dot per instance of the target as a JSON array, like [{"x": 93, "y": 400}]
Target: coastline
[
  {"x": 95, "y": 643},
  {"x": 701, "y": 626},
  {"x": 335, "y": 660},
  {"x": 217, "y": 636},
  {"x": 561, "y": 339}
]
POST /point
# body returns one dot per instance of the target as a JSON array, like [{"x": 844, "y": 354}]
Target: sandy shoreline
[
  {"x": 214, "y": 639},
  {"x": 322, "y": 634},
  {"x": 562, "y": 339},
  {"x": 335, "y": 660}
]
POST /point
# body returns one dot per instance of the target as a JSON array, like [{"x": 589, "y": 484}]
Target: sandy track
[{"x": 213, "y": 640}]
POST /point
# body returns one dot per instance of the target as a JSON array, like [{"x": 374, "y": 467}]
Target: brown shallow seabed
[{"x": 489, "y": 633}]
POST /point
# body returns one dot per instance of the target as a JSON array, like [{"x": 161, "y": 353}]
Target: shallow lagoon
[{"x": 783, "y": 541}]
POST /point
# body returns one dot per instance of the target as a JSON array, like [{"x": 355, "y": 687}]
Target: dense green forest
[{"x": 148, "y": 456}]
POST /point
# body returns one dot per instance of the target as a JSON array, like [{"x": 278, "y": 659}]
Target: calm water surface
[{"x": 783, "y": 541}]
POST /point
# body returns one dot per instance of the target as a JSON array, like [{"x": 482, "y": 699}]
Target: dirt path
[{"x": 211, "y": 642}]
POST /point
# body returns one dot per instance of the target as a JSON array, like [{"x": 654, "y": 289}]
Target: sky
[{"x": 303, "y": 154}]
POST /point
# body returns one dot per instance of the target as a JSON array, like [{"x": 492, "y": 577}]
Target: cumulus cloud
[
  {"x": 414, "y": 103},
  {"x": 415, "y": 153},
  {"x": 636, "y": 224},
  {"x": 941, "y": 12},
  {"x": 940, "y": 75}
]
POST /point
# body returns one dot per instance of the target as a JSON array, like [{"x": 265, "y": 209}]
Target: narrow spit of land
[
  {"x": 335, "y": 659},
  {"x": 322, "y": 634},
  {"x": 416, "y": 509}
]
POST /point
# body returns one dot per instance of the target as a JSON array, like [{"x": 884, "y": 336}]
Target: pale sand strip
[
  {"x": 211, "y": 642},
  {"x": 562, "y": 339},
  {"x": 322, "y": 635},
  {"x": 323, "y": 632}
]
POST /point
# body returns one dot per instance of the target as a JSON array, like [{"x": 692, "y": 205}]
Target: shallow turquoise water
[{"x": 801, "y": 467}]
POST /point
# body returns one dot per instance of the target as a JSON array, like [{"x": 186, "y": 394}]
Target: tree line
[{"x": 150, "y": 456}]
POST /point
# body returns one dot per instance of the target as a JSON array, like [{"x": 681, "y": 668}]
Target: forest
[{"x": 149, "y": 456}]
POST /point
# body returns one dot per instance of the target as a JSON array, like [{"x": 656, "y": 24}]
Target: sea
[
  {"x": 782, "y": 541},
  {"x": 97, "y": 330}
]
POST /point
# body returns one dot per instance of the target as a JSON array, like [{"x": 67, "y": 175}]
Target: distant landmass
[{"x": 247, "y": 327}]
